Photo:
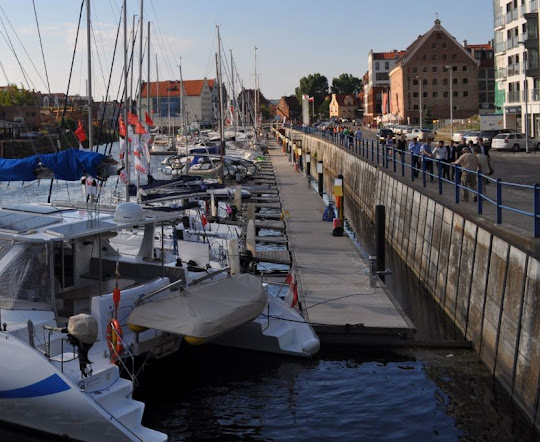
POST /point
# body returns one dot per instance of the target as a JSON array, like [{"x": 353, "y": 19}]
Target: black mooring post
[
  {"x": 380, "y": 237},
  {"x": 320, "y": 173}
]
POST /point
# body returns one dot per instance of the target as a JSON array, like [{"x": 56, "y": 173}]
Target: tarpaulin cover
[
  {"x": 69, "y": 165},
  {"x": 206, "y": 310}
]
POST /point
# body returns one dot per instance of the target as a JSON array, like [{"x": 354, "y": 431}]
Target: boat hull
[{"x": 35, "y": 394}]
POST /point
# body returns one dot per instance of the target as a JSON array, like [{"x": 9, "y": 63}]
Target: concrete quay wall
[{"x": 487, "y": 283}]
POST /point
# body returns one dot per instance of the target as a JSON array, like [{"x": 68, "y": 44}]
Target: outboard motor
[{"x": 82, "y": 332}]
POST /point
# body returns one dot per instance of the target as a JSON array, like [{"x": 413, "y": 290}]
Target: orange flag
[
  {"x": 121, "y": 127},
  {"x": 79, "y": 132},
  {"x": 148, "y": 120}
]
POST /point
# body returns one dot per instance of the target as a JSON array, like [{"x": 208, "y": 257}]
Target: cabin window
[{"x": 64, "y": 264}]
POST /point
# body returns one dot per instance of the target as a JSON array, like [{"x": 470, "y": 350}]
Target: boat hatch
[
  {"x": 22, "y": 222},
  {"x": 76, "y": 229},
  {"x": 34, "y": 208}
]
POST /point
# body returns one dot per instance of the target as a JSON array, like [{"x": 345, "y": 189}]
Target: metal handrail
[{"x": 377, "y": 152}]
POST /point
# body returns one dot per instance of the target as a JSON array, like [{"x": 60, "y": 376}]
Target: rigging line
[
  {"x": 10, "y": 45},
  {"x": 29, "y": 82},
  {"x": 67, "y": 94},
  {"x": 4, "y": 71},
  {"x": 110, "y": 81},
  {"x": 162, "y": 44},
  {"x": 41, "y": 46}
]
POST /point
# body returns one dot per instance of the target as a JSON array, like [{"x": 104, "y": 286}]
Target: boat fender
[{"x": 114, "y": 339}]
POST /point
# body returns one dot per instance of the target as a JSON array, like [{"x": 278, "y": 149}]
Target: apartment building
[
  {"x": 516, "y": 64},
  {"x": 377, "y": 82}
]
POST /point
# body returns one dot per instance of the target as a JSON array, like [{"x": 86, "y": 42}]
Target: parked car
[
  {"x": 472, "y": 135},
  {"x": 457, "y": 136},
  {"x": 357, "y": 122},
  {"x": 487, "y": 135},
  {"x": 383, "y": 134},
  {"x": 421, "y": 134},
  {"x": 513, "y": 141}
]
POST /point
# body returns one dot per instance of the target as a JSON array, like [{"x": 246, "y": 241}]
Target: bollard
[
  {"x": 308, "y": 166},
  {"x": 380, "y": 236},
  {"x": 320, "y": 174}
]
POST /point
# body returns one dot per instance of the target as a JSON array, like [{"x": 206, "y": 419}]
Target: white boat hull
[{"x": 35, "y": 394}]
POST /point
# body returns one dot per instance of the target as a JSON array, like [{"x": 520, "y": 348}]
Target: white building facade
[{"x": 516, "y": 64}]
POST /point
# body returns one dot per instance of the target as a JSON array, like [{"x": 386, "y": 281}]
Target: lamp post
[
  {"x": 450, "y": 68},
  {"x": 420, "y": 100},
  {"x": 526, "y": 90}
]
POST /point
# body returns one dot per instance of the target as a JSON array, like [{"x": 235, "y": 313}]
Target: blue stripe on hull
[{"x": 51, "y": 385}]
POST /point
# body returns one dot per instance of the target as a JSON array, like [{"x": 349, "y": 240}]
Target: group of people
[{"x": 469, "y": 157}]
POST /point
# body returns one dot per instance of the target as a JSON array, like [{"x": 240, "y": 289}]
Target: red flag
[
  {"x": 79, "y": 132},
  {"x": 121, "y": 127},
  {"x": 295, "y": 295},
  {"x": 132, "y": 118},
  {"x": 203, "y": 219},
  {"x": 139, "y": 129},
  {"x": 147, "y": 119}
]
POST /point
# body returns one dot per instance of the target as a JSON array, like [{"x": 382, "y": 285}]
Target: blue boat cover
[{"x": 69, "y": 165}]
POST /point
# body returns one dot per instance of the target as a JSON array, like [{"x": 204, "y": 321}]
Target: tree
[
  {"x": 314, "y": 85},
  {"x": 346, "y": 84},
  {"x": 324, "y": 109},
  {"x": 13, "y": 96}
]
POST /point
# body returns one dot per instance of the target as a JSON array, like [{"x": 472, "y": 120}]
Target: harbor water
[{"x": 348, "y": 394}]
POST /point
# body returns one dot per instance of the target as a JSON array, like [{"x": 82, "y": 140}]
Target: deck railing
[{"x": 415, "y": 168}]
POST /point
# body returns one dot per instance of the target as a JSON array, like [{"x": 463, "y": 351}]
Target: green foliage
[
  {"x": 427, "y": 117},
  {"x": 265, "y": 111},
  {"x": 346, "y": 84},
  {"x": 324, "y": 109},
  {"x": 314, "y": 85},
  {"x": 13, "y": 96}
]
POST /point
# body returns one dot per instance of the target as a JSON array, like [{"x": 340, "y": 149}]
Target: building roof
[
  {"x": 340, "y": 98},
  {"x": 437, "y": 27},
  {"x": 172, "y": 88},
  {"x": 292, "y": 102},
  {"x": 388, "y": 55},
  {"x": 487, "y": 46}
]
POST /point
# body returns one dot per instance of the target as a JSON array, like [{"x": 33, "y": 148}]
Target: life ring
[{"x": 114, "y": 339}]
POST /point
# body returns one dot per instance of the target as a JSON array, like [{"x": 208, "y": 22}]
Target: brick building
[
  {"x": 289, "y": 108},
  {"x": 435, "y": 73}
]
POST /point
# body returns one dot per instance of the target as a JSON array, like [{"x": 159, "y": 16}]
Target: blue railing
[{"x": 438, "y": 171}]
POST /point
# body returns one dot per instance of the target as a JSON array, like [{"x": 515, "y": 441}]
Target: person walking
[
  {"x": 470, "y": 165},
  {"x": 451, "y": 150},
  {"x": 401, "y": 143},
  {"x": 426, "y": 152},
  {"x": 389, "y": 146},
  {"x": 460, "y": 146},
  {"x": 483, "y": 163},
  {"x": 414, "y": 149},
  {"x": 440, "y": 153}
]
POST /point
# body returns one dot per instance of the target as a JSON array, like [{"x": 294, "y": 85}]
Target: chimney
[{"x": 464, "y": 43}]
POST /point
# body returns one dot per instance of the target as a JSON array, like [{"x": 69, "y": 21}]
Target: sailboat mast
[
  {"x": 256, "y": 93},
  {"x": 182, "y": 116},
  {"x": 128, "y": 166},
  {"x": 148, "y": 104},
  {"x": 89, "y": 47},
  {"x": 140, "y": 61},
  {"x": 220, "y": 90},
  {"x": 233, "y": 101}
]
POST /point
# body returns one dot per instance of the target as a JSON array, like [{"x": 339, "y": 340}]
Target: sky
[{"x": 292, "y": 38}]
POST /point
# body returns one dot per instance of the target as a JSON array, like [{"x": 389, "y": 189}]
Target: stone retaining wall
[{"x": 486, "y": 284}]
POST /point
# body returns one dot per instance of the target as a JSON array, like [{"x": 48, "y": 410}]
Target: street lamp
[
  {"x": 451, "y": 104},
  {"x": 526, "y": 87},
  {"x": 420, "y": 100}
]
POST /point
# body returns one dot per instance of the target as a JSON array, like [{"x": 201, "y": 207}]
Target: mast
[
  {"x": 256, "y": 93},
  {"x": 89, "y": 48},
  {"x": 220, "y": 97},
  {"x": 128, "y": 166},
  {"x": 233, "y": 95},
  {"x": 148, "y": 104},
  {"x": 182, "y": 116},
  {"x": 140, "y": 62}
]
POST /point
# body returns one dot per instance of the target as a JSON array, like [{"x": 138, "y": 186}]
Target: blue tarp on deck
[{"x": 69, "y": 165}]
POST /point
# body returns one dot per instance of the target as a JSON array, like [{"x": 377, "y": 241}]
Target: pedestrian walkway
[{"x": 340, "y": 297}]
